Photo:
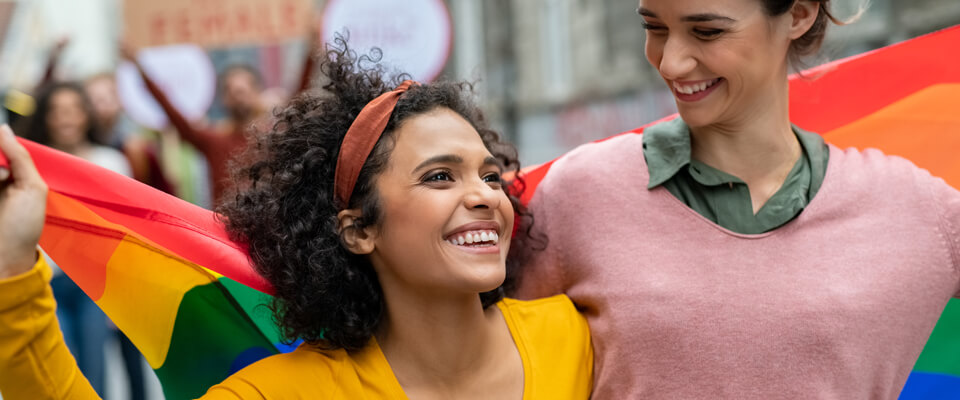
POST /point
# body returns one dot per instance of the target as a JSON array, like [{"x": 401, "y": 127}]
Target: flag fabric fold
[{"x": 166, "y": 272}]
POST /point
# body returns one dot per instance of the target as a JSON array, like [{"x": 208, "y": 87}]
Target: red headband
[{"x": 360, "y": 139}]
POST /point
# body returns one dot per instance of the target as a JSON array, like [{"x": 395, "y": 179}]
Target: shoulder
[
  {"x": 554, "y": 340},
  {"x": 872, "y": 166},
  {"x": 546, "y": 317},
  {"x": 616, "y": 152},
  {"x": 599, "y": 167},
  {"x": 111, "y": 159},
  {"x": 284, "y": 375}
]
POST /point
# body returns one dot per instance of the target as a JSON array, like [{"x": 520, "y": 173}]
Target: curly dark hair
[{"x": 282, "y": 205}]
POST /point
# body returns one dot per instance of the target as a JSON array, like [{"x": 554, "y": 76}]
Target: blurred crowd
[{"x": 85, "y": 119}]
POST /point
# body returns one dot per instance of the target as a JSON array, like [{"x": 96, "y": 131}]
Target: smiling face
[
  {"x": 724, "y": 60},
  {"x": 446, "y": 220}
]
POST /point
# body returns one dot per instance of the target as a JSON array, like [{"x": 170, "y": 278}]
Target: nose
[
  {"x": 676, "y": 60},
  {"x": 480, "y": 195}
]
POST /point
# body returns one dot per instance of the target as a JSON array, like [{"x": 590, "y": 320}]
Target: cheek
[{"x": 653, "y": 52}]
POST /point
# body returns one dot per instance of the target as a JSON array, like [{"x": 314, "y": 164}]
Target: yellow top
[{"x": 552, "y": 338}]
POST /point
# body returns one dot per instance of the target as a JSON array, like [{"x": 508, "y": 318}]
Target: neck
[
  {"x": 240, "y": 121},
  {"x": 444, "y": 341},
  {"x": 758, "y": 146}
]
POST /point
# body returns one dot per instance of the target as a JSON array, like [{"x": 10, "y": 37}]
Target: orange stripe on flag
[
  {"x": 923, "y": 127},
  {"x": 65, "y": 218}
]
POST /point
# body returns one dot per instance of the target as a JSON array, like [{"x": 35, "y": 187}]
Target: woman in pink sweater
[{"x": 730, "y": 254}]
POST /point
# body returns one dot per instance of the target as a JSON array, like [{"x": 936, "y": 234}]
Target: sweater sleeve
[
  {"x": 34, "y": 360},
  {"x": 541, "y": 271},
  {"x": 948, "y": 200}
]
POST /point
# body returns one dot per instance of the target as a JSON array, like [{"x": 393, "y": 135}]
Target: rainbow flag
[
  {"x": 167, "y": 274},
  {"x": 162, "y": 269}
]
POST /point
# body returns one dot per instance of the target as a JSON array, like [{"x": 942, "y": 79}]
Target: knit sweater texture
[{"x": 836, "y": 304}]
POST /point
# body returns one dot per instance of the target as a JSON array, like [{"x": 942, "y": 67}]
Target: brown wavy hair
[{"x": 812, "y": 40}]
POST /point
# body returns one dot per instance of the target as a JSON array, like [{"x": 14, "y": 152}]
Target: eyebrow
[
  {"x": 455, "y": 159},
  {"x": 704, "y": 17}
]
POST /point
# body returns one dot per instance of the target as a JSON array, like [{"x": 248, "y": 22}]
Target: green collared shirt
[{"x": 724, "y": 198}]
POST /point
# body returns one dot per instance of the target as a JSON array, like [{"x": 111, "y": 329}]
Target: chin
[
  {"x": 488, "y": 281},
  {"x": 696, "y": 118}
]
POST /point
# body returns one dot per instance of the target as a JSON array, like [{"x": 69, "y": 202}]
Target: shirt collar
[{"x": 666, "y": 148}]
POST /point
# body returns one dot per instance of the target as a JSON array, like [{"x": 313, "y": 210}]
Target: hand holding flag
[{"x": 23, "y": 200}]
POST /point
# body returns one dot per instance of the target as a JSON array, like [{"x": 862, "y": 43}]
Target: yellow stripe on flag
[{"x": 158, "y": 282}]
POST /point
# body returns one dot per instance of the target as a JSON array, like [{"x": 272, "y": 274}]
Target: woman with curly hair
[{"x": 379, "y": 213}]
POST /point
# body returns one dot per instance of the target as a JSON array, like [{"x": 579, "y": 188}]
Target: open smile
[
  {"x": 477, "y": 237},
  {"x": 693, "y": 91}
]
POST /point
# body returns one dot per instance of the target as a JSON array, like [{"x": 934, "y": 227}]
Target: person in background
[
  {"x": 64, "y": 120},
  {"x": 241, "y": 88},
  {"x": 113, "y": 126},
  {"x": 120, "y": 132}
]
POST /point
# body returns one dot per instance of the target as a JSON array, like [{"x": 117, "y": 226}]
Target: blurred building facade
[{"x": 554, "y": 74}]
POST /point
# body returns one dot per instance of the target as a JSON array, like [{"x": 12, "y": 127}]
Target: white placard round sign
[
  {"x": 415, "y": 35},
  {"x": 185, "y": 74}
]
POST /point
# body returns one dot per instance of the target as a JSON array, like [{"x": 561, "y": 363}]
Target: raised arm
[
  {"x": 52, "y": 61},
  {"x": 199, "y": 138},
  {"x": 34, "y": 360}
]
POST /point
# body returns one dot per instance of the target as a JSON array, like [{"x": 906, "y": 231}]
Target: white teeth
[
  {"x": 475, "y": 237},
  {"x": 693, "y": 88}
]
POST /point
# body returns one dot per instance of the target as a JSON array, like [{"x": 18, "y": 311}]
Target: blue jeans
[{"x": 84, "y": 329}]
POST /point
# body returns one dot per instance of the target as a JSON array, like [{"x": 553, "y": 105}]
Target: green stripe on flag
[
  {"x": 942, "y": 352},
  {"x": 211, "y": 336}
]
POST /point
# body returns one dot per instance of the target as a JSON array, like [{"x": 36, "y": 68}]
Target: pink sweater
[{"x": 836, "y": 304}]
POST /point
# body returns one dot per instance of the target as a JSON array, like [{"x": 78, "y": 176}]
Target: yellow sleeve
[
  {"x": 235, "y": 388},
  {"x": 34, "y": 360},
  {"x": 556, "y": 341}
]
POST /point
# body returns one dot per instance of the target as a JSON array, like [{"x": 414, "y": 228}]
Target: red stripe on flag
[{"x": 191, "y": 232}]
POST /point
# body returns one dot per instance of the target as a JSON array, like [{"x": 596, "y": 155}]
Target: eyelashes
[
  {"x": 447, "y": 176},
  {"x": 705, "y": 34}
]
